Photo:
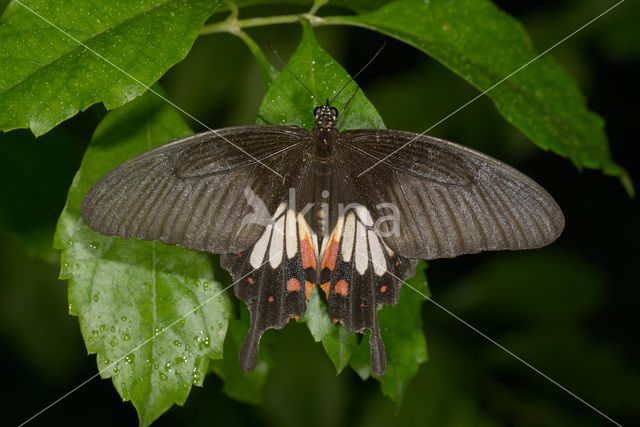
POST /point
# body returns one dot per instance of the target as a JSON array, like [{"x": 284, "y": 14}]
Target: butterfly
[{"x": 289, "y": 209}]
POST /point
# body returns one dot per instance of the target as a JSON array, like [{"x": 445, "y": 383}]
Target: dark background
[{"x": 568, "y": 309}]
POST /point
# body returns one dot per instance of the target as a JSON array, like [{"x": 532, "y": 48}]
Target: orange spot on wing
[
  {"x": 308, "y": 287},
  {"x": 384, "y": 289},
  {"x": 325, "y": 288},
  {"x": 342, "y": 288},
  {"x": 331, "y": 255},
  {"x": 270, "y": 299},
  {"x": 250, "y": 280},
  {"x": 307, "y": 253},
  {"x": 293, "y": 285}
]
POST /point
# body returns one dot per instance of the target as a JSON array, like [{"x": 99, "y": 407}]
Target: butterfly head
[{"x": 325, "y": 116}]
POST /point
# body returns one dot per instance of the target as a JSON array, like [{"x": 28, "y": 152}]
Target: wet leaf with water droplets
[
  {"x": 48, "y": 77},
  {"x": 130, "y": 295}
]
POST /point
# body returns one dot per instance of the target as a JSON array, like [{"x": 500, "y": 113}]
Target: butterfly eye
[
  {"x": 334, "y": 111},
  {"x": 316, "y": 111}
]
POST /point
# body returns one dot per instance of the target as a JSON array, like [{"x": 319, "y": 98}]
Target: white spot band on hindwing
[{"x": 361, "y": 244}]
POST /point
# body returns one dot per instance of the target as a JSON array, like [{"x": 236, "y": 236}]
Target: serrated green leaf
[
  {"x": 484, "y": 45},
  {"x": 48, "y": 77},
  {"x": 340, "y": 345},
  {"x": 337, "y": 342},
  {"x": 125, "y": 292},
  {"x": 288, "y": 102},
  {"x": 401, "y": 330}
]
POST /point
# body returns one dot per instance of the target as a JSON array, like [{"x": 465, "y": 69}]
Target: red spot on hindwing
[
  {"x": 293, "y": 285},
  {"x": 342, "y": 288}
]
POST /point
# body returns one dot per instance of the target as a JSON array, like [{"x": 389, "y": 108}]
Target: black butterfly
[{"x": 207, "y": 194}]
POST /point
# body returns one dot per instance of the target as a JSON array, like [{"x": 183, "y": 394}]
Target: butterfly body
[{"x": 290, "y": 210}]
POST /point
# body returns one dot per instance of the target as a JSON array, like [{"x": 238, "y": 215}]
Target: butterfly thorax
[{"x": 325, "y": 133}]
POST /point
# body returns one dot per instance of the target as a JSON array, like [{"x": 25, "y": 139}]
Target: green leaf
[
  {"x": 34, "y": 178},
  {"x": 134, "y": 299},
  {"x": 484, "y": 45},
  {"x": 337, "y": 342},
  {"x": 401, "y": 329},
  {"x": 47, "y": 77},
  {"x": 287, "y": 101},
  {"x": 240, "y": 385}
]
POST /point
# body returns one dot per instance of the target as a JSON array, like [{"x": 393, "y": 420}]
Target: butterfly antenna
[
  {"x": 384, "y": 43},
  {"x": 348, "y": 103},
  {"x": 286, "y": 67}
]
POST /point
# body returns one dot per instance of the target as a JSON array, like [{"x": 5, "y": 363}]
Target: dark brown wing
[
  {"x": 449, "y": 200},
  {"x": 199, "y": 192}
]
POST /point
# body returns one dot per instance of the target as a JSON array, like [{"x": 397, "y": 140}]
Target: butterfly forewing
[
  {"x": 194, "y": 192},
  {"x": 450, "y": 200}
]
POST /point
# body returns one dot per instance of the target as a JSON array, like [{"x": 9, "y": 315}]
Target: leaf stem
[{"x": 233, "y": 25}]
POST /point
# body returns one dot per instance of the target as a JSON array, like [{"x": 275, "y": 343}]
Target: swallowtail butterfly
[{"x": 438, "y": 199}]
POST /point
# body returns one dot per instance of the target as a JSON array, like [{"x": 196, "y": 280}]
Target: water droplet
[
  {"x": 177, "y": 343},
  {"x": 95, "y": 297},
  {"x": 205, "y": 286},
  {"x": 103, "y": 327},
  {"x": 167, "y": 367},
  {"x": 95, "y": 333},
  {"x": 123, "y": 318},
  {"x": 163, "y": 376},
  {"x": 126, "y": 337},
  {"x": 112, "y": 343},
  {"x": 130, "y": 358}
]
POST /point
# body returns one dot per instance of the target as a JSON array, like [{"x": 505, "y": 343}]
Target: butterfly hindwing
[
  {"x": 274, "y": 277},
  {"x": 359, "y": 272}
]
